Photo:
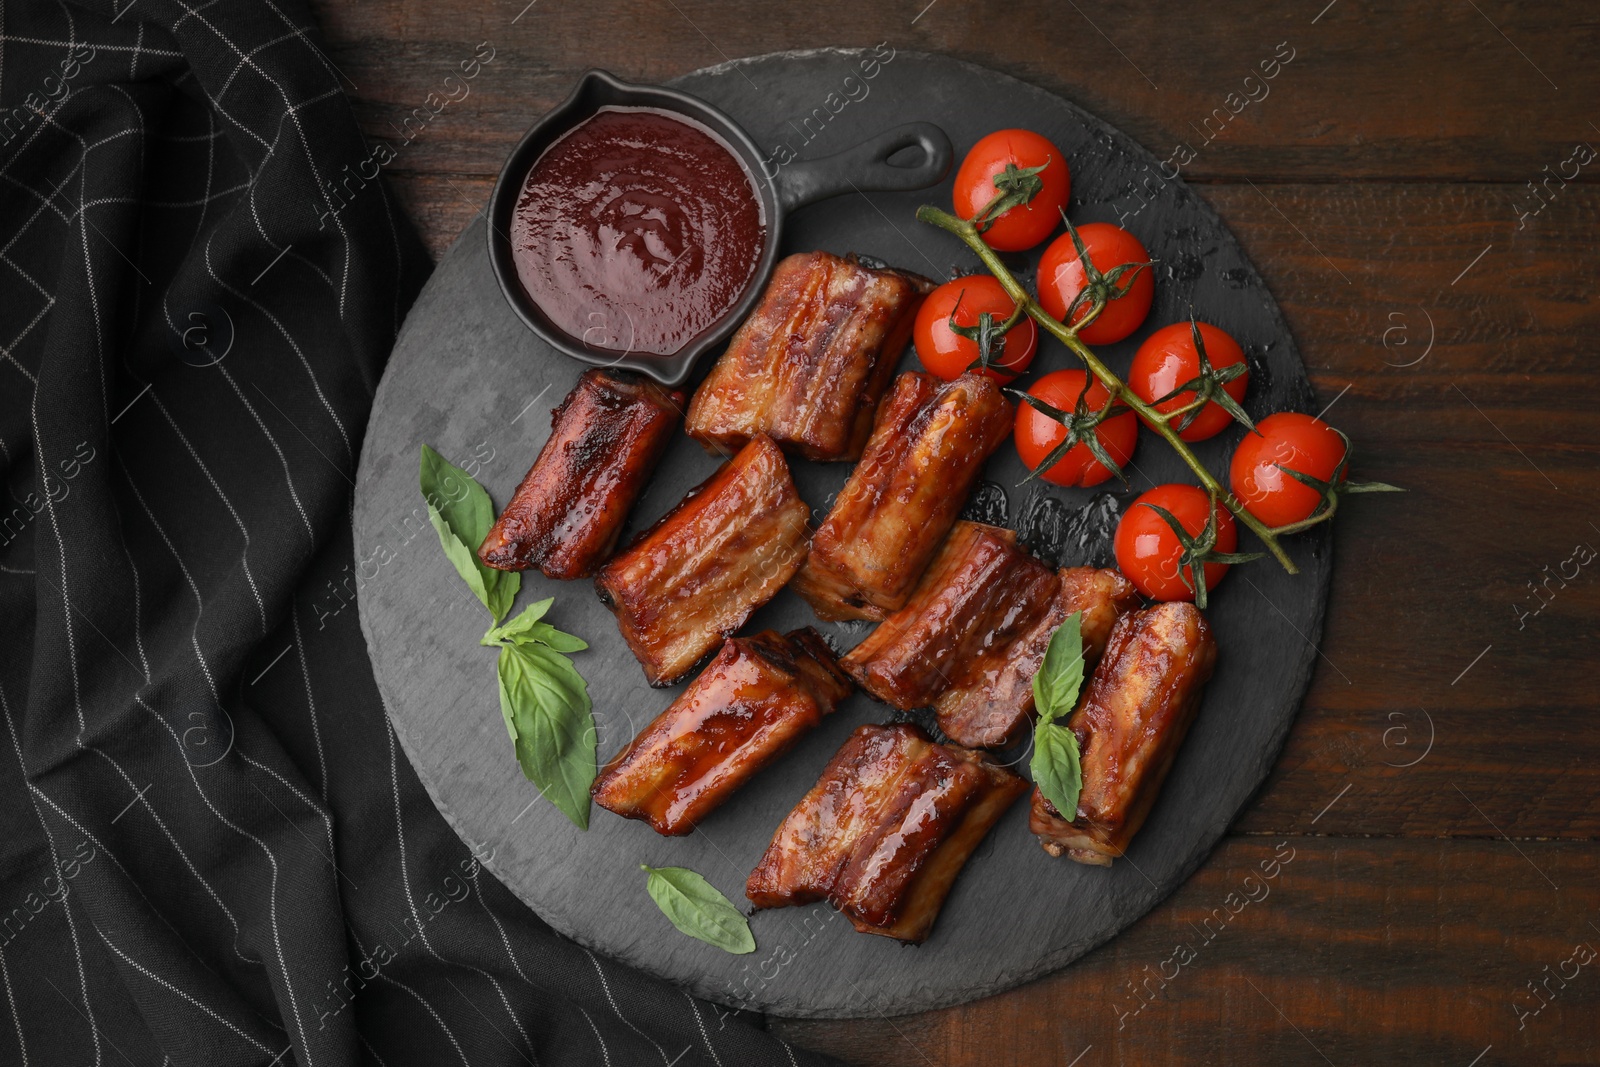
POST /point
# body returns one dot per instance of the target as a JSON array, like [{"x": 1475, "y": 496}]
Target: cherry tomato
[
  {"x": 1148, "y": 551},
  {"x": 1300, "y": 443},
  {"x": 1061, "y": 279},
  {"x": 1168, "y": 358},
  {"x": 1037, "y": 434},
  {"x": 946, "y": 353},
  {"x": 1024, "y": 225}
]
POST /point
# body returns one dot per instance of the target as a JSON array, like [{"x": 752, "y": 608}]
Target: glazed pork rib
[
  {"x": 991, "y": 702},
  {"x": 981, "y": 594},
  {"x": 810, "y": 364},
  {"x": 1130, "y": 724},
  {"x": 605, "y": 440},
  {"x": 695, "y": 576},
  {"x": 885, "y": 831},
  {"x": 754, "y": 700},
  {"x": 927, "y": 451}
]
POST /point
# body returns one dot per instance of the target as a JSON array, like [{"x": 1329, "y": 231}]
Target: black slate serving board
[{"x": 469, "y": 379}]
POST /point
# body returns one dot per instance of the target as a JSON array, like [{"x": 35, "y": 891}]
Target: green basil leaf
[
  {"x": 1057, "y": 767},
  {"x": 461, "y": 500},
  {"x": 1060, "y": 675},
  {"x": 518, "y": 627},
  {"x": 502, "y": 589},
  {"x": 461, "y": 513},
  {"x": 696, "y": 908},
  {"x": 550, "y": 719},
  {"x": 542, "y": 633},
  {"x": 460, "y": 556},
  {"x": 526, "y": 629}
]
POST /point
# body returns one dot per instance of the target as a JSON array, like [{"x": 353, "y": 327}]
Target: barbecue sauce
[{"x": 637, "y": 231}]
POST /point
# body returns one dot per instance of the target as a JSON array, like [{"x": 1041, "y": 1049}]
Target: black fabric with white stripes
[{"x": 211, "y": 849}]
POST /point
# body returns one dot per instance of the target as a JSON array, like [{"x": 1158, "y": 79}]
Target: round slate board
[{"x": 469, "y": 379}]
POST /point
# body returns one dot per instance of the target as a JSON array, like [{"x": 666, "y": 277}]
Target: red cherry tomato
[
  {"x": 1061, "y": 279},
  {"x": 1168, "y": 358},
  {"x": 1148, "y": 551},
  {"x": 1300, "y": 443},
  {"x": 1024, "y": 225},
  {"x": 1037, "y": 434},
  {"x": 946, "y": 353}
]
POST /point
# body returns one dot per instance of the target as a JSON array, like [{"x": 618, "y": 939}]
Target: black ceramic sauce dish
[{"x": 864, "y": 168}]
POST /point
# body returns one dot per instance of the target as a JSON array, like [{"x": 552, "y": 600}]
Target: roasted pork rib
[
  {"x": 605, "y": 440},
  {"x": 695, "y": 576},
  {"x": 1130, "y": 724},
  {"x": 885, "y": 831},
  {"x": 981, "y": 593},
  {"x": 927, "y": 450},
  {"x": 991, "y": 701},
  {"x": 754, "y": 700},
  {"x": 810, "y": 364}
]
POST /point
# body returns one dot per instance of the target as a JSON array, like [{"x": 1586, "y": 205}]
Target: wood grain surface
[{"x": 1377, "y": 189}]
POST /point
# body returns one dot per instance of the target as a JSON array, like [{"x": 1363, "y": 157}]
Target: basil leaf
[
  {"x": 461, "y": 557},
  {"x": 519, "y": 627},
  {"x": 543, "y": 699},
  {"x": 1060, "y": 675},
  {"x": 526, "y": 629},
  {"x": 1056, "y": 764},
  {"x": 461, "y": 513},
  {"x": 1057, "y": 767},
  {"x": 461, "y": 500},
  {"x": 550, "y": 719},
  {"x": 542, "y": 633},
  {"x": 696, "y": 908}
]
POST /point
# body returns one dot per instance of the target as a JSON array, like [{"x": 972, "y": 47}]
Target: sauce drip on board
[{"x": 637, "y": 231}]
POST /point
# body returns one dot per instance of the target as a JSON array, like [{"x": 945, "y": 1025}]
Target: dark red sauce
[{"x": 637, "y": 231}]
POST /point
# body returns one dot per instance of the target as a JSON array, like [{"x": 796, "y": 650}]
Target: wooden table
[{"x": 1440, "y": 793}]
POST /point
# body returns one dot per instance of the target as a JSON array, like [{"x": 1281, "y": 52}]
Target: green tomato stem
[{"x": 1068, "y": 335}]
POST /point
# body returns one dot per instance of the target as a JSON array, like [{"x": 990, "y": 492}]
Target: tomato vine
[{"x": 1163, "y": 423}]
